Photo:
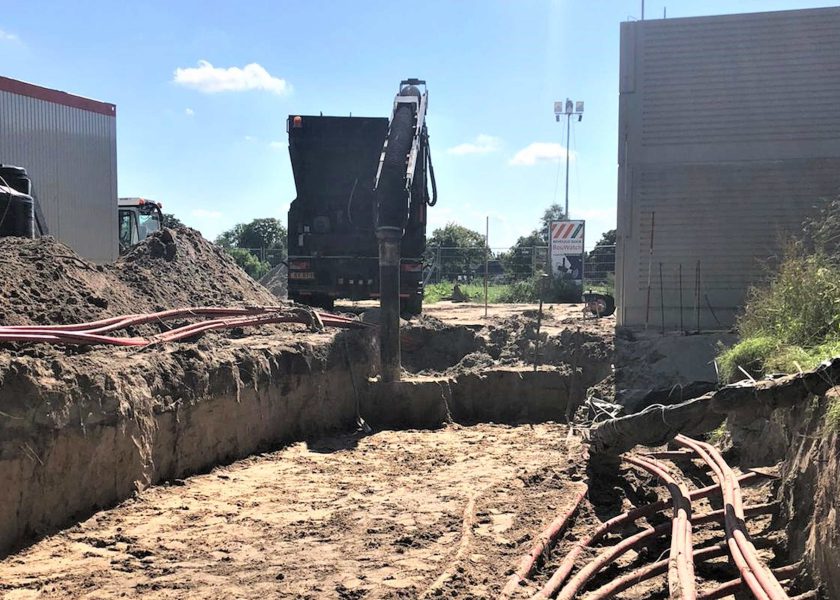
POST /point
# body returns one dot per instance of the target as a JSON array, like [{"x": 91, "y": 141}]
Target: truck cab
[{"x": 138, "y": 219}]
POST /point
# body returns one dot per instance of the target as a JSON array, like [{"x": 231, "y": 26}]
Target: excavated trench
[
  {"x": 465, "y": 464},
  {"x": 85, "y": 430}
]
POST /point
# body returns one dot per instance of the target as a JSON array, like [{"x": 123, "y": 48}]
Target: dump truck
[
  {"x": 138, "y": 219},
  {"x": 332, "y": 222}
]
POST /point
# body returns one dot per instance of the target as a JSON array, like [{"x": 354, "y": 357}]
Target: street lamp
[{"x": 568, "y": 110}]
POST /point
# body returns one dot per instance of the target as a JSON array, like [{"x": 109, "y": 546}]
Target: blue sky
[{"x": 204, "y": 133}]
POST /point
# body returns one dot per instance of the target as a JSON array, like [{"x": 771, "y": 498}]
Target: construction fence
[
  {"x": 510, "y": 265},
  {"x": 504, "y": 266},
  {"x": 272, "y": 256}
]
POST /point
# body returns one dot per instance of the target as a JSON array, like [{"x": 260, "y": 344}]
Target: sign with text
[{"x": 566, "y": 240}]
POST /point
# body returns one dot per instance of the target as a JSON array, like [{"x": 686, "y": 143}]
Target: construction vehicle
[
  {"x": 337, "y": 163},
  {"x": 138, "y": 219},
  {"x": 20, "y": 211}
]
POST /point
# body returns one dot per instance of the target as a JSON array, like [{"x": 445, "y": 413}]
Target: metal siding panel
[
  {"x": 733, "y": 138},
  {"x": 70, "y": 154}
]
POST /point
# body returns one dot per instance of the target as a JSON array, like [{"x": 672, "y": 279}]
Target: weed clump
[{"x": 792, "y": 321}]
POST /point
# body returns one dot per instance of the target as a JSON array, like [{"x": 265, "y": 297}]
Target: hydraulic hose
[{"x": 91, "y": 333}]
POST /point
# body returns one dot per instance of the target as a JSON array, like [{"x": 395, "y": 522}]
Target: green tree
[
  {"x": 519, "y": 262},
  {"x": 528, "y": 255},
  {"x": 600, "y": 261},
  {"x": 263, "y": 233},
  {"x": 231, "y": 237},
  {"x": 554, "y": 212},
  {"x": 460, "y": 250},
  {"x": 171, "y": 221},
  {"x": 249, "y": 263},
  {"x": 266, "y": 238}
]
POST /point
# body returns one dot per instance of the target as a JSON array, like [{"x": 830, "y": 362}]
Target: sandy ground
[
  {"x": 555, "y": 316},
  {"x": 382, "y": 516}
]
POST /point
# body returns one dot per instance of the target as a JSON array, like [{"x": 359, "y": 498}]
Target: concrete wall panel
[{"x": 729, "y": 132}]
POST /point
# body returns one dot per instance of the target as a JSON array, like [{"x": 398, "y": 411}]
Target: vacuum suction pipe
[{"x": 389, "y": 301}]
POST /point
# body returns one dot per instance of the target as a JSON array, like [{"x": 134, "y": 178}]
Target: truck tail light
[
  {"x": 299, "y": 265},
  {"x": 411, "y": 267}
]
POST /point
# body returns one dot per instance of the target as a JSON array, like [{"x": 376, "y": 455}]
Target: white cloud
[
  {"x": 211, "y": 80},
  {"x": 6, "y": 36},
  {"x": 481, "y": 145},
  {"x": 201, "y": 213},
  {"x": 189, "y": 112},
  {"x": 250, "y": 138},
  {"x": 540, "y": 152},
  {"x": 278, "y": 145}
]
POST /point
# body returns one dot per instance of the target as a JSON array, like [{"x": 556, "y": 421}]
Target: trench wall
[
  {"x": 808, "y": 452},
  {"x": 810, "y": 489},
  {"x": 65, "y": 453}
]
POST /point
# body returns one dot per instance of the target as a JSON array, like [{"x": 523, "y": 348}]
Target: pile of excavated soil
[
  {"x": 181, "y": 268},
  {"x": 275, "y": 281},
  {"x": 44, "y": 282}
]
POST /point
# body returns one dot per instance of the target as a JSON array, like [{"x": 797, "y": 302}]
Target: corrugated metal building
[
  {"x": 729, "y": 131},
  {"x": 68, "y": 144}
]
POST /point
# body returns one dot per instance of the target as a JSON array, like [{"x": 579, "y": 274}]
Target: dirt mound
[
  {"x": 275, "y": 281},
  {"x": 175, "y": 268},
  {"x": 44, "y": 282}
]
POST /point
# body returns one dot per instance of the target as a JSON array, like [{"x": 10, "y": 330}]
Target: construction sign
[{"x": 566, "y": 240}]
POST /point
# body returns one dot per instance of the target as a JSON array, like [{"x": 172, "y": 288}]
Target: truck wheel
[
  {"x": 412, "y": 305},
  {"x": 323, "y": 301}
]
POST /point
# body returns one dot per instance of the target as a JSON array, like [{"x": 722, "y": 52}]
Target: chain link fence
[
  {"x": 273, "y": 256},
  {"x": 506, "y": 266}
]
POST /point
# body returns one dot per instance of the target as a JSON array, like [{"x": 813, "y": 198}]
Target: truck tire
[
  {"x": 323, "y": 301},
  {"x": 412, "y": 305}
]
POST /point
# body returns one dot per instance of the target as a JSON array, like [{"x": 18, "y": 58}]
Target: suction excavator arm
[
  {"x": 398, "y": 163},
  {"x": 394, "y": 186}
]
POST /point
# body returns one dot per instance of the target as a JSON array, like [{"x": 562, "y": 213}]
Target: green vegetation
[
  {"x": 832, "y": 415},
  {"x": 461, "y": 251},
  {"x": 438, "y": 291},
  {"x": 171, "y": 221},
  {"x": 256, "y": 246},
  {"x": 551, "y": 290},
  {"x": 249, "y": 263},
  {"x": 519, "y": 292},
  {"x": 792, "y": 322},
  {"x": 607, "y": 287},
  {"x": 718, "y": 436}
]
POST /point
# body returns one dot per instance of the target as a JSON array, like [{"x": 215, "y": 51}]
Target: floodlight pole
[
  {"x": 568, "y": 129},
  {"x": 569, "y": 109}
]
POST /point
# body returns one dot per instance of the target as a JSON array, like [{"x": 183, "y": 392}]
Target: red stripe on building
[{"x": 56, "y": 97}]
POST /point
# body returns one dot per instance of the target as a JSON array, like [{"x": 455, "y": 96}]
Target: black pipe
[
  {"x": 389, "y": 302},
  {"x": 392, "y": 200}
]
